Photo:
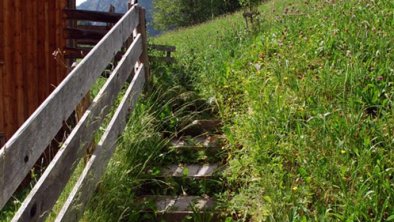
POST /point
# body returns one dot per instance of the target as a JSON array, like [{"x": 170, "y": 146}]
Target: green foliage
[
  {"x": 140, "y": 145},
  {"x": 249, "y": 3},
  {"x": 308, "y": 104},
  {"x": 170, "y": 14},
  {"x": 159, "y": 115}
]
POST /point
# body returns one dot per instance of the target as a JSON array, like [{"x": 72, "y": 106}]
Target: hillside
[
  {"x": 121, "y": 6},
  {"x": 307, "y": 98}
]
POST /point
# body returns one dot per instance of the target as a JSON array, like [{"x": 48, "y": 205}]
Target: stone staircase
[{"x": 185, "y": 188}]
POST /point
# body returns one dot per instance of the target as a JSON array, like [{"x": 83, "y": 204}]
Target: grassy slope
[{"x": 308, "y": 104}]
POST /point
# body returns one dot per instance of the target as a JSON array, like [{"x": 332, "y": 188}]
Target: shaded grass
[{"x": 140, "y": 144}]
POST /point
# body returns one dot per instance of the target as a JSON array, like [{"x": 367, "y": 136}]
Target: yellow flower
[
  {"x": 343, "y": 151},
  {"x": 295, "y": 188}
]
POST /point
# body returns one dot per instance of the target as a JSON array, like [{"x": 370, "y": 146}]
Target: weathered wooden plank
[
  {"x": 179, "y": 204},
  {"x": 87, "y": 182},
  {"x": 61, "y": 66},
  {"x": 192, "y": 170},
  {"x": 198, "y": 142},
  {"x": 24, "y": 148},
  {"x": 111, "y": 10},
  {"x": 2, "y": 127},
  {"x": 43, "y": 89},
  {"x": 19, "y": 63},
  {"x": 31, "y": 73},
  {"x": 144, "y": 57},
  {"x": 47, "y": 56},
  {"x": 75, "y": 33},
  {"x": 38, "y": 203},
  {"x": 1, "y": 33},
  {"x": 2, "y": 135},
  {"x": 70, "y": 52},
  {"x": 90, "y": 42},
  {"x": 94, "y": 27},
  {"x": 76, "y": 14},
  {"x": 52, "y": 44},
  {"x": 1, "y": 107},
  {"x": 8, "y": 86}
]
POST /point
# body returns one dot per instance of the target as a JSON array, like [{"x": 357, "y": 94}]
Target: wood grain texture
[
  {"x": 2, "y": 33},
  {"x": 24, "y": 148},
  {"x": 9, "y": 89},
  {"x": 19, "y": 63},
  {"x": 28, "y": 26},
  {"x": 87, "y": 182},
  {"x": 1, "y": 68},
  {"x": 108, "y": 17},
  {"x": 144, "y": 57},
  {"x": 76, "y": 33},
  {"x": 47, "y": 190},
  {"x": 43, "y": 90}
]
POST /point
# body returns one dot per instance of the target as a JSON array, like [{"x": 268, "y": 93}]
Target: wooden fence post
[
  {"x": 141, "y": 28},
  {"x": 111, "y": 10},
  {"x": 144, "y": 56}
]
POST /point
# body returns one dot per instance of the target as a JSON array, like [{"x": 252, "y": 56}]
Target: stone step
[
  {"x": 198, "y": 142},
  {"x": 198, "y": 127},
  {"x": 189, "y": 170},
  {"x": 181, "y": 186},
  {"x": 176, "y": 208}
]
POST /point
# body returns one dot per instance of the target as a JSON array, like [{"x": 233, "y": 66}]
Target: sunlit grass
[{"x": 307, "y": 98}]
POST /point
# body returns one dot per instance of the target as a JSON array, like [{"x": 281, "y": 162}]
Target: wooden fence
[
  {"x": 163, "y": 48},
  {"x": 21, "y": 152}
]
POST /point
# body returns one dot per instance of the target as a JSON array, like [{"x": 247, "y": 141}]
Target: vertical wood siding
[
  {"x": 30, "y": 31},
  {"x": 1, "y": 69}
]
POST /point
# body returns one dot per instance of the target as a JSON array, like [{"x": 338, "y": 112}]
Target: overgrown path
[{"x": 184, "y": 187}]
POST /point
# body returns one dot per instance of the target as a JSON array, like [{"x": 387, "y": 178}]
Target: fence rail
[
  {"x": 163, "y": 48},
  {"x": 25, "y": 147},
  {"x": 76, "y": 14}
]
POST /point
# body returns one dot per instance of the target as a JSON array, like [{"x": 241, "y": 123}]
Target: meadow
[{"x": 306, "y": 95}]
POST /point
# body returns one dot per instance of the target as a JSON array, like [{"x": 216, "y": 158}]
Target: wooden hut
[{"x": 31, "y": 34}]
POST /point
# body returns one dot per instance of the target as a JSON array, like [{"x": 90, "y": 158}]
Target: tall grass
[
  {"x": 140, "y": 144},
  {"x": 307, "y": 97},
  {"x": 158, "y": 117}
]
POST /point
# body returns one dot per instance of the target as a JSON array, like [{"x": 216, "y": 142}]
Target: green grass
[
  {"x": 307, "y": 99},
  {"x": 157, "y": 118},
  {"x": 114, "y": 197}
]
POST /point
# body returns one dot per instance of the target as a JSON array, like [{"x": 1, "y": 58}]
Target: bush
[{"x": 170, "y": 14}]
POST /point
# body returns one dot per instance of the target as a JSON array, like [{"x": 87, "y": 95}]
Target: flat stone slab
[
  {"x": 203, "y": 141},
  {"x": 200, "y": 126},
  {"x": 179, "y": 204},
  {"x": 189, "y": 170}
]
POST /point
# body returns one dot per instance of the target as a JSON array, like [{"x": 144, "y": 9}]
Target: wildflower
[{"x": 295, "y": 188}]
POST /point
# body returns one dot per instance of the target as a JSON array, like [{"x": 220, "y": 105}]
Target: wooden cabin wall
[
  {"x": 1, "y": 75},
  {"x": 30, "y": 32}
]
